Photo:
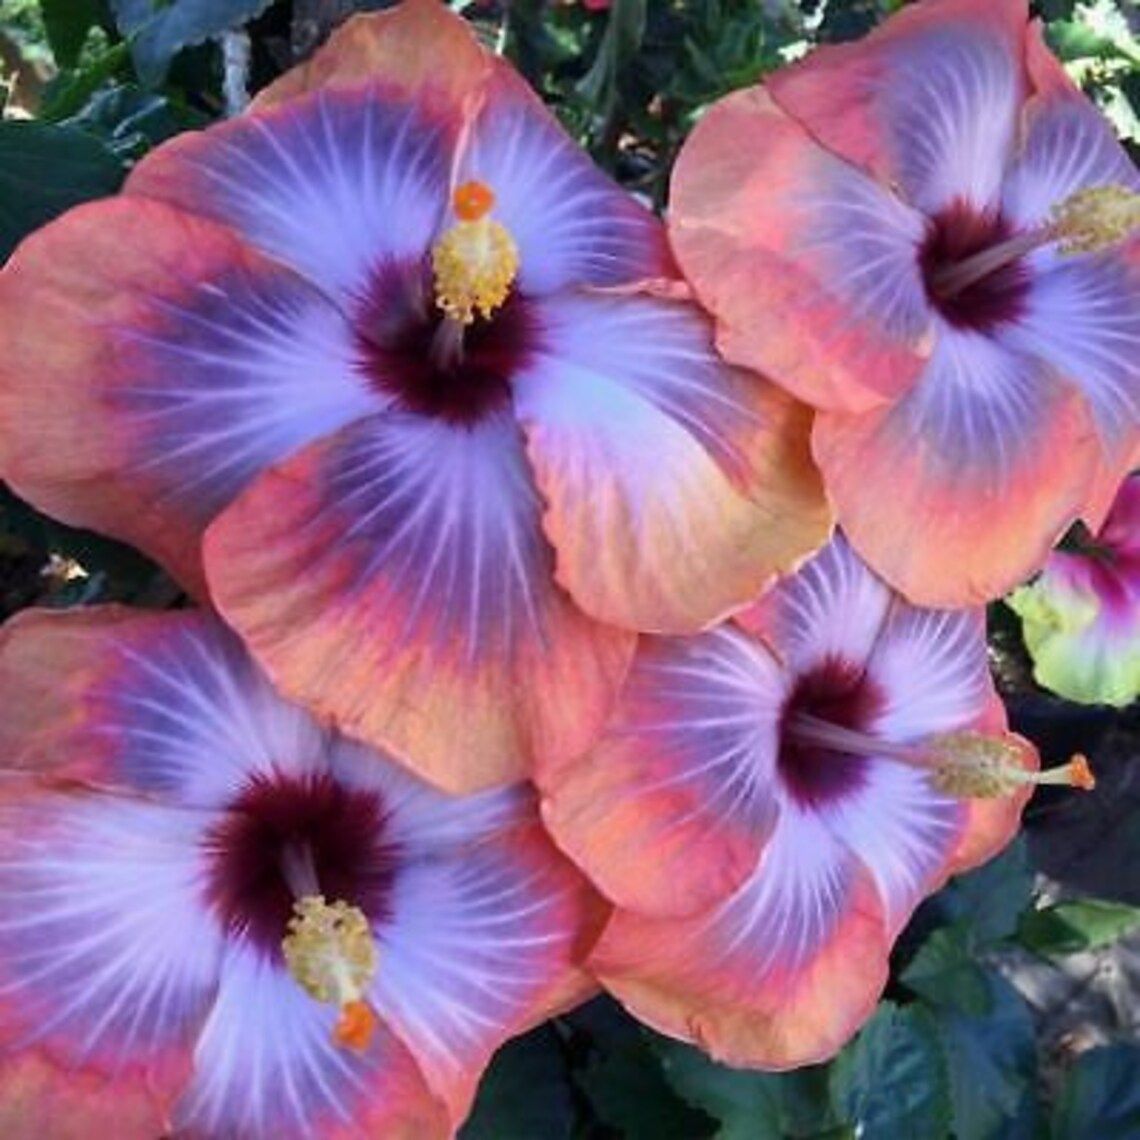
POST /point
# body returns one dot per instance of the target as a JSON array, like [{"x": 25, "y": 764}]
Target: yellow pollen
[
  {"x": 972, "y": 765},
  {"x": 1096, "y": 218},
  {"x": 476, "y": 261},
  {"x": 331, "y": 955}
]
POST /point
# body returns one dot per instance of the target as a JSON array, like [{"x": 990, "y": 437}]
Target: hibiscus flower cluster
[{"x": 579, "y": 599}]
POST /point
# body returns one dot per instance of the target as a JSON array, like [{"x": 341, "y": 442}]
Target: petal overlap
[
  {"x": 674, "y": 488},
  {"x": 200, "y": 360},
  {"x": 1006, "y": 452},
  {"x": 409, "y": 555},
  {"x": 669, "y": 811},
  {"x": 158, "y": 704},
  {"x": 808, "y": 265},
  {"x": 778, "y": 975}
]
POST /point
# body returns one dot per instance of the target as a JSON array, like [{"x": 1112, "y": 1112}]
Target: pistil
[
  {"x": 1087, "y": 221},
  {"x": 329, "y": 950},
  {"x": 967, "y": 765},
  {"x": 475, "y": 262}
]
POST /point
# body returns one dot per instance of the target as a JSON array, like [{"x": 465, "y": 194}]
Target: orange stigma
[
  {"x": 1081, "y": 773},
  {"x": 355, "y": 1026},
  {"x": 472, "y": 200}
]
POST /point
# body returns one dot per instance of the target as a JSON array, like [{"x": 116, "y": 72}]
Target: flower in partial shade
[
  {"x": 930, "y": 236},
  {"x": 775, "y": 796},
  {"x": 1081, "y": 615},
  {"x": 222, "y": 920},
  {"x": 409, "y": 357}
]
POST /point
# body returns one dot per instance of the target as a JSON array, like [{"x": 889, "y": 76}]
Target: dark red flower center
[
  {"x": 398, "y": 334},
  {"x": 340, "y": 829},
  {"x": 839, "y": 693},
  {"x": 955, "y": 234}
]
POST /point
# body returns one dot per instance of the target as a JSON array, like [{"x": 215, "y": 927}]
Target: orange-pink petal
[
  {"x": 668, "y": 813},
  {"x": 675, "y": 488},
  {"x": 956, "y": 493},
  {"x": 927, "y": 102},
  {"x": 780, "y": 975},
  {"x": 394, "y": 579},
  {"x": 809, "y": 266},
  {"x": 43, "y": 1101},
  {"x": 419, "y": 45},
  {"x": 151, "y": 364}
]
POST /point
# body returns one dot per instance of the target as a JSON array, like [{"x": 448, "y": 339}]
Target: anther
[
  {"x": 972, "y": 765},
  {"x": 1096, "y": 218}
]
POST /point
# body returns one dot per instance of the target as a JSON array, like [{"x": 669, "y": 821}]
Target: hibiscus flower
[
  {"x": 222, "y": 920},
  {"x": 417, "y": 372},
  {"x": 1081, "y": 616},
  {"x": 775, "y": 796},
  {"x": 930, "y": 236}
]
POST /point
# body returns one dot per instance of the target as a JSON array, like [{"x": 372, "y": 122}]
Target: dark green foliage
[
  {"x": 891, "y": 1081},
  {"x": 1101, "y": 1098},
  {"x": 158, "y": 30},
  {"x": 46, "y": 169}
]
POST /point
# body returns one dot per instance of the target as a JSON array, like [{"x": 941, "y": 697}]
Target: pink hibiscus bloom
[
  {"x": 1081, "y": 616},
  {"x": 383, "y": 341},
  {"x": 930, "y": 236},
  {"x": 222, "y": 920},
  {"x": 775, "y": 796}
]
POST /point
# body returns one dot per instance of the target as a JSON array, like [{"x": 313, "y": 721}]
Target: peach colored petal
[
  {"x": 40, "y": 1101},
  {"x": 992, "y": 823},
  {"x": 48, "y": 661},
  {"x": 809, "y": 267},
  {"x": 755, "y": 983},
  {"x": 393, "y": 578},
  {"x": 145, "y": 356},
  {"x": 668, "y": 813},
  {"x": 420, "y": 45},
  {"x": 956, "y": 494},
  {"x": 675, "y": 488},
  {"x": 850, "y": 97}
]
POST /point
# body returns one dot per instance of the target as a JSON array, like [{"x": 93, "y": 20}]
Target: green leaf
[
  {"x": 750, "y": 1105},
  {"x": 525, "y": 1094},
  {"x": 991, "y": 1061},
  {"x": 45, "y": 170},
  {"x": 1070, "y": 927},
  {"x": 67, "y": 23},
  {"x": 988, "y": 901},
  {"x": 945, "y": 973},
  {"x": 158, "y": 31},
  {"x": 1076, "y": 39},
  {"x": 891, "y": 1081},
  {"x": 624, "y": 1080},
  {"x": 747, "y": 1105},
  {"x": 132, "y": 120},
  {"x": 68, "y": 93},
  {"x": 625, "y": 29},
  {"x": 1101, "y": 1098}
]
